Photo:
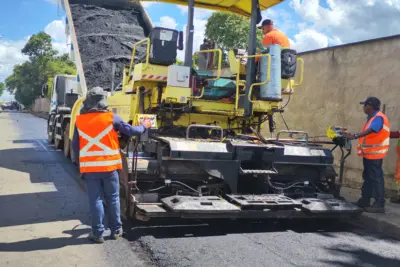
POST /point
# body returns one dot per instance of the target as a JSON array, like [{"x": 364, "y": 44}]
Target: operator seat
[
  {"x": 288, "y": 63},
  {"x": 163, "y": 46},
  {"x": 288, "y": 69}
]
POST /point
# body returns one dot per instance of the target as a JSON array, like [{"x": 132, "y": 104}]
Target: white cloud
[
  {"x": 199, "y": 13},
  {"x": 167, "y": 22},
  {"x": 199, "y": 32},
  {"x": 199, "y": 21},
  {"x": 309, "y": 40},
  {"x": 10, "y": 51},
  {"x": 183, "y": 9},
  {"x": 56, "y": 29},
  {"x": 343, "y": 21},
  {"x": 282, "y": 19},
  {"x": 10, "y": 54}
]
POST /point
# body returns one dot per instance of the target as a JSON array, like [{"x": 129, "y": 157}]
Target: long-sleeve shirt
[
  {"x": 119, "y": 125},
  {"x": 377, "y": 124}
]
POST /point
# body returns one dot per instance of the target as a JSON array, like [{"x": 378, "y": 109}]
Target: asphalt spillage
[{"x": 106, "y": 36}]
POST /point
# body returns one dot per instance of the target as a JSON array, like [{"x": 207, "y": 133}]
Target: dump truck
[{"x": 205, "y": 155}]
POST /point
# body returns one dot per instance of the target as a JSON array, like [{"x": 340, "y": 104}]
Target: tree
[
  {"x": 39, "y": 45},
  {"x": 229, "y": 31},
  {"x": 2, "y": 87},
  {"x": 27, "y": 78}
]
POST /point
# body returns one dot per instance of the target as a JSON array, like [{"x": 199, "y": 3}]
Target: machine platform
[
  {"x": 257, "y": 202},
  {"x": 248, "y": 207}
]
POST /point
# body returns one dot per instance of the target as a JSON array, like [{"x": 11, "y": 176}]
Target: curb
[{"x": 39, "y": 115}]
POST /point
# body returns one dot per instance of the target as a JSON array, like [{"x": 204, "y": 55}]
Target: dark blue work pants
[
  {"x": 106, "y": 183},
  {"x": 374, "y": 184}
]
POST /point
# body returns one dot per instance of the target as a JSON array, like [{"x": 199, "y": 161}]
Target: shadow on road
[
  {"x": 37, "y": 187},
  {"x": 48, "y": 195},
  {"x": 359, "y": 257},
  {"x": 46, "y": 243}
]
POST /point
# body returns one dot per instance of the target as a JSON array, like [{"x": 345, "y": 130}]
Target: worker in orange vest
[
  {"x": 373, "y": 146},
  {"x": 96, "y": 146},
  {"x": 272, "y": 35}
]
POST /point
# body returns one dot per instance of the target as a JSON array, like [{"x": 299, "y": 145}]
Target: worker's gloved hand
[
  {"x": 349, "y": 136},
  {"x": 146, "y": 123}
]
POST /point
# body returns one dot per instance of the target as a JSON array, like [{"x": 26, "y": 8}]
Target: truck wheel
[
  {"x": 50, "y": 136},
  {"x": 59, "y": 144},
  {"x": 67, "y": 142}
]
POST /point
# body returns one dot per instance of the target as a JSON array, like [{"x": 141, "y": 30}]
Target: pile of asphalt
[{"x": 106, "y": 35}]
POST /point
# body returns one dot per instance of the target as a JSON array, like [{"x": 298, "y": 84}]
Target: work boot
[
  {"x": 116, "y": 235},
  {"x": 96, "y": 239},
  {"x": 375, "y": 208},
  {"x": 363, "y": 203}
]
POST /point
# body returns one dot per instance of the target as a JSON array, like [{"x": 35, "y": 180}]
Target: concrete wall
[
  {"x": 336, "y": 79},
  {"x": 41, "y": 105}
]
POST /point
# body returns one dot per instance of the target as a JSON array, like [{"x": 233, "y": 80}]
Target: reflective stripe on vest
[
  {"x": 375, "y": 145},
  {"x": 99, "y": 146},
  {"x": 96, "y": 141}
]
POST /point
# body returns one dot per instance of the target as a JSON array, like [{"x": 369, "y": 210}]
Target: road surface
[{"x": 41, "y": 203}]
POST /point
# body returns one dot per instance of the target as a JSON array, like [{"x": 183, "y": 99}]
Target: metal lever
[{"x": 292, "y": 132}]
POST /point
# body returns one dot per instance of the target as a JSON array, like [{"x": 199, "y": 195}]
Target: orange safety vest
[
  {"x": 276, "y": 37},
  {"x": 375, "y": 145},
  {"x": 98, "y": 143}
]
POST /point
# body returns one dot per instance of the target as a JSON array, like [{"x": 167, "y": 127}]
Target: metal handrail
[
  {"x": 217, "y": 50},
  {"x": 253, "y": 84},
  {"x": 134, "y": 53},
  {"x": 301, "y": 72}
]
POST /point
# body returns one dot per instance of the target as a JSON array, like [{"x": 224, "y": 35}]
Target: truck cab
[{"x": 64, "y": 93}]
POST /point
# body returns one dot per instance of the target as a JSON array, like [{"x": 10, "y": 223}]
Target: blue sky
[{"x": 310, "y": 24}]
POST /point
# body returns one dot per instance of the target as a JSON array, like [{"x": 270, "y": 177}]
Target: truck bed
[{"x": 104, "y": 33}]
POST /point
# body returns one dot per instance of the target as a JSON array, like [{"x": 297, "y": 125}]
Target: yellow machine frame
[{"x": 150, "y": 76}]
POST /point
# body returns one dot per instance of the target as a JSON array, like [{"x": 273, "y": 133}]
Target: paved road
[
  {"x": 43, "y": 211},
  {"x": 24, "y": 152}
]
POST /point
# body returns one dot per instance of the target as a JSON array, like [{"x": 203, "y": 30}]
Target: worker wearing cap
[
  {"x": 272, "y": 35},
  {"x": 373, "y": 146},
  {"x": 96, "y": 146}
]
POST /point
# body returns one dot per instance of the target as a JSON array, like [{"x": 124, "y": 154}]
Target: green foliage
[
  {"x": 39, "y": 45},
  {"x": 229, "y": 31},
  {"x": 179, "y": 62},
  {"x": 2, "y": 87},
  {"x": 27, "y": 78}
]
